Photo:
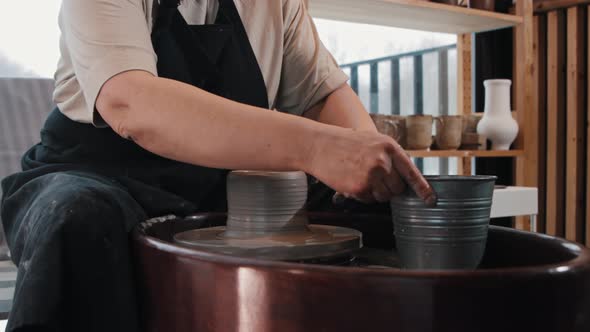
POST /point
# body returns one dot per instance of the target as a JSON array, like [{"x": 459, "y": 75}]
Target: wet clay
[{"x": 267, "y": 220}]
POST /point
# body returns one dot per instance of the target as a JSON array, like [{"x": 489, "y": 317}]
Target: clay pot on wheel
[
  {"x": 450, "y": 235},
  {"x": 267, "y": 220}
]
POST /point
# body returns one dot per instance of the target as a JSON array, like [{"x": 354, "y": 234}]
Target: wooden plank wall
[
  {"x": 550, "y": 5},
  {"x": 575, "y": 130},
  {"x": 555, "y": 161},
  {"x": 561, "y": 64},
  {"x": 540, "y": 105}
]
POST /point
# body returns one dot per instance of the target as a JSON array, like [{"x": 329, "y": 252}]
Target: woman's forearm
[
  {"x": 179, "y": 122},
  {"x": 342, "y": 108}
]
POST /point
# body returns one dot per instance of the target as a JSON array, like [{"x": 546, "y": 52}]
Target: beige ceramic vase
[{"x": 497, "y": 123}]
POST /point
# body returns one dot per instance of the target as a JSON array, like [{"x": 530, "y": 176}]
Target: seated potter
[{"x": 155, "y": 102}]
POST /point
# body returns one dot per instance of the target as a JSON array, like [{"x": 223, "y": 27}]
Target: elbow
[{"x": 116, "y": 105}]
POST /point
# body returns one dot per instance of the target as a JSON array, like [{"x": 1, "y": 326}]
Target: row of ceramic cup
[{"x": 414, "y": 132}]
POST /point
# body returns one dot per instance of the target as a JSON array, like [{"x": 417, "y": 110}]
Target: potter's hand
[{"x": 366, "y": 165}]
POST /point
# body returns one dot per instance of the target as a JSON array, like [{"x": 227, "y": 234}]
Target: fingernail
[{"x": 431, "y": 200}]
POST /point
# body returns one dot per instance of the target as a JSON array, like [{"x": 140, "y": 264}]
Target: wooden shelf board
[
  {"x": 464, "y": 153},
  {"x": 413, "y": 14}
]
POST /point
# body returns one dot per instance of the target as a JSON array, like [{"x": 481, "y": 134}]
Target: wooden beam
[
  {"x": 464, "y": 86},
  {"x": 540, "y": 105},
  {"x": 527, "y": 167},
  {"x": 556, "y": 110},
  {"x": 464, "y": 89},
  {"x": 522, "y": 86},
  {"x": 467, "y": 166},
  {"x": 541, "y": 6},
  {"x": 575, "y": 154}
]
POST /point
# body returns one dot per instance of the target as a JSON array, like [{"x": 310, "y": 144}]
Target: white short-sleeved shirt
[{"x": 102, "y": 38}]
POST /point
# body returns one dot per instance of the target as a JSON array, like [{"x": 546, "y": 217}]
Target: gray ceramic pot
[{"x": 451, "y": 235}]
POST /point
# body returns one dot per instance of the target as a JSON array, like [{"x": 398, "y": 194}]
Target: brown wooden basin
[{"x": 526, "y": 282}]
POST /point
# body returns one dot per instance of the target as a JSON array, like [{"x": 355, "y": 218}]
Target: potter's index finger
[{"x": 412, "y": 176}]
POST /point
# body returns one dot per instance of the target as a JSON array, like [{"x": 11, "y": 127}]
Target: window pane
[
  {"x": 364, "y": 89},
  {"x": 29, "y": 41},
  {"x": 380, "y": 46},
  {"x": 385, "y": 87}
]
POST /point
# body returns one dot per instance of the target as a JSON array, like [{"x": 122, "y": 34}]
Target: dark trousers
[{"x": 68, "y": 235}]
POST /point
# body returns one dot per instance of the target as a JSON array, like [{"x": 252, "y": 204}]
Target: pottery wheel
[{"x": 266, "y": 219}]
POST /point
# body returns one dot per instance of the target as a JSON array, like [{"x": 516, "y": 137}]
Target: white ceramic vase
[{"x": 497, "y": 123}]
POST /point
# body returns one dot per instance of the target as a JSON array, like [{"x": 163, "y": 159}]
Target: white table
[{"x": 516, "y": 201}]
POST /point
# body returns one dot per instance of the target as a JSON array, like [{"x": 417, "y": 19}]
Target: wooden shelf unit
[
  {"x": 464, "y": 153},
  {"x": 437, "y": 17},
  {"x": 413, "y": 14}
]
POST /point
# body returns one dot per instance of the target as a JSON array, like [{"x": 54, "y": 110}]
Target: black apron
[
  {"x": 67, "y": 215},
  {"x": 217, "y": 58}
]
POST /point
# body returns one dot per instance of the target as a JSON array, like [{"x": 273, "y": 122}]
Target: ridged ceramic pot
[
  {"x": 497, "y": 123},
  {"x": 450, "y": 235}
]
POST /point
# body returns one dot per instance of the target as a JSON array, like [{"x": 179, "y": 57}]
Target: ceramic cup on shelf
[
  {"x": 497, "y": 123},
  {"x": 482, "y": 4},
  {"x": 448, "y": 131},
  {"x": 393, "y": 126},
  {"x": 400, "y": 123},
  {"x": 448, "y": 2},
  {"x": 470, "y": 139},
  {"x": 470, "y": 122},
  {"x": 418, "y": 132},
  {"x": 383, "y": 124}
]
